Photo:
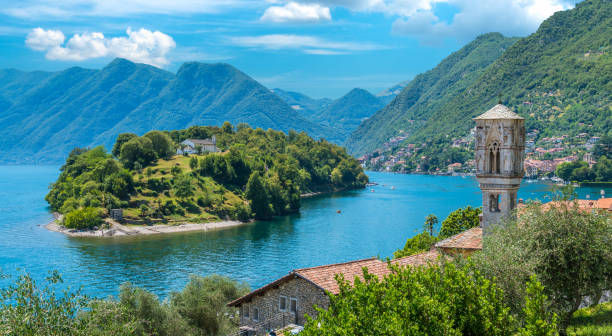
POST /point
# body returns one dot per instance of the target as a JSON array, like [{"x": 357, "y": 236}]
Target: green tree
[
  {"x": 417, "y": 244},
  {"x": 568, "y": 249},
  {"x": 203, "y": 303},
  {"x": 459, "y": 221},
  {"x": 193, "y": 163},
  {"x": 257, "y": 194},
  {"x": 538, "y": 320},
  {"x": 183, "y": 186},
  {"x": 603, "y": 147},
  {"x": 137, "y": 150},
  {"x": 227, "y": 128},
  {"x": 121, "y": 139},
  {"x": 162, "y": 144},
  {"x": 28, "y": 310},
  {"x": 430, "y": 221},
  {"x": 436, "y": 300},
  {"x": 84, "y": 218},
  {"x": 603, "y": 169}
]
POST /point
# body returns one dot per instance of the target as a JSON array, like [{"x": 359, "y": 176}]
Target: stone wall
[{"x": 307, "y": 294}]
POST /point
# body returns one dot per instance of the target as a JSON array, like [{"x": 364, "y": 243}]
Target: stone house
[
  {"x": 192, "y": 146},
  {"x": 289, "y": 299}
]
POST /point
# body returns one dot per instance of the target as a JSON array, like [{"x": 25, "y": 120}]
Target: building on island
[
  {"x": 500, "y": 148},
  {"x": 196, "y": 146}
]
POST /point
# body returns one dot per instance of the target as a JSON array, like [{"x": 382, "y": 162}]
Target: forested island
[{"x": 250, "y": 174}]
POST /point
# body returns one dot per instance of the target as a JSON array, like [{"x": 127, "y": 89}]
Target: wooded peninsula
[{"x": 198, "y": 175}]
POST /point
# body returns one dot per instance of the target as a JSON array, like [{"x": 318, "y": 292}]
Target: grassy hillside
[
  {"x": 559, "y": 78},
  {"x": 256, "y": 174},
  {"x": 412, "y": 109},
  {"x": 44, "y": 115}
]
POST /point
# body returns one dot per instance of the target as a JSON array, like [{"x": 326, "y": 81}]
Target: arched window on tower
[
  {"x": 494, "y": 160},
  {"x": 494, "y": 203}
]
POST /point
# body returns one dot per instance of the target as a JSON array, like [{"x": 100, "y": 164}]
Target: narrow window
[
  {"x": 293, "y": 304},
  {"x": 497, "y": 161},
  {"x": 255, "y": 314},
  {"x": 245, "y": 311},
  {"x": 282, "y": 303},
  {"x": 494, "y": 203},
  {"x": 491, "y": 161}
]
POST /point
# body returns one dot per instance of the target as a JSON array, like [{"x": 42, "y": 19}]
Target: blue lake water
[{"x": 369, "y": 224}]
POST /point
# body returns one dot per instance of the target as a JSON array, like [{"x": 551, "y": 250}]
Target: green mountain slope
[
  {"x": 427, "y": 92},
  {"x": 559, "y": 79},
  {"x": 341, "y": 115},
  {"x": 44, "y": 115},
  {"x": 347, "y": 112},
  {"x": 302, "y": 103}
]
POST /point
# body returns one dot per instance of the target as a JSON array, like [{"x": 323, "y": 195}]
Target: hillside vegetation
[
  {"x": 412, "y": 109},
  {"x": 257, "y": 174},
  {"x": 341, "y": 115},
  {"x": 43, "y": 115},
  {"x": 559, "y": 79}
]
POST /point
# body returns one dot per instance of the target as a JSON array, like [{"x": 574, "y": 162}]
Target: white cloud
[
  {"x": 297, "y": 13},
  {"x": 41, "y": 40},
  {"x": 476, "y": 17},
  {"x": 307, "y": 44},
  {"x": 142, "y": 46}
]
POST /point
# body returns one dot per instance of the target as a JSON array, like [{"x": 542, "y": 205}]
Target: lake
[{"x": 370, "y": 223}]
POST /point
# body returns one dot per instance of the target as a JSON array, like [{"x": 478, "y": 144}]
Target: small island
[{"x": 200, "y": 178}]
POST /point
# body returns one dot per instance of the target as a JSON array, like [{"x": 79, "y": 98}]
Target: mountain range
[
  {"x": 343, "y": 115},
  {"x": 559, "y": 78},
  {"x": 43, "y": 115}
]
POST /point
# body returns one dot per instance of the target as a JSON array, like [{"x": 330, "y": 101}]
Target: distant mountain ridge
[
  {"x": 342, "y": 115},
  {"x": 387, "y": 95},
  {"x": 559, "y": 78},
  {"x": 43, "y": 115}
]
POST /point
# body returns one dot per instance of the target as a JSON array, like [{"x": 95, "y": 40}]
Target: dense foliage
[
  {"x": 558, "y": 78},
  {"x": 200, "y": 309},
  {"x": 579, "y": 171},
  {"x": 257, "y": 174},
  {"x": 568, "y": 249},
  {"x": 441, "y": 299}
]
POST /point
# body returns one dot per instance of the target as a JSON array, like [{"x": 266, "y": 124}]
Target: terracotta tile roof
[
  {"x": 582, "y": 204},
  {"x": 324, "y": 276},
  {"x": 468, "y": 240},
  {"x": 420, "y": 259}
]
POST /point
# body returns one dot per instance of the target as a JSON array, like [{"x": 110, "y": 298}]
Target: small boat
[
  {"x": 338, "y": 211},
  {"x": 392, "y": 187},
  {"x": 372, "y": 190}
]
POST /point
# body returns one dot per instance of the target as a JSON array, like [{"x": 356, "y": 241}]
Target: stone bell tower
[{"x": 500, "y": 148}]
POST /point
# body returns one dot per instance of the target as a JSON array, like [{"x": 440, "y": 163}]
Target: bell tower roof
[{"x": 499, "y": 111}]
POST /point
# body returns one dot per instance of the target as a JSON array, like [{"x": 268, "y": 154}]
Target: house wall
[{"x": 307, "y": 294}]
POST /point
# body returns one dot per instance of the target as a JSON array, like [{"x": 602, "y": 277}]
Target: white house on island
[{"x": 195, "y": 146}]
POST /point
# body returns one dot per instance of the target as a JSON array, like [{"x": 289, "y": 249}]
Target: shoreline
[{"x": 120, "y": 230}]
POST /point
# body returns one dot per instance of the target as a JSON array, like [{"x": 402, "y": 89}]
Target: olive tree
[{"x": 567, "y": 248}]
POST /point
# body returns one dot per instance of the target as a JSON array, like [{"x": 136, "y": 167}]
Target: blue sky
[{"x": 322, "y": 48}]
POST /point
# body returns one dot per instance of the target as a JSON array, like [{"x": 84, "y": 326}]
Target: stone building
[
  {"x": 500, "y": 147},
  {"x": 196, "y": 146}
]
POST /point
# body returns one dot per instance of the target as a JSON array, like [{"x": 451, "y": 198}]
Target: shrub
[{"x": 84, "y": 218}]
